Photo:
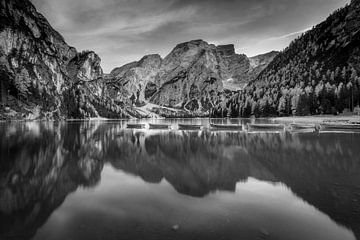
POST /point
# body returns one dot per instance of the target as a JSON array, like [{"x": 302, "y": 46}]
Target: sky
[{"x": 122, "y": 31}]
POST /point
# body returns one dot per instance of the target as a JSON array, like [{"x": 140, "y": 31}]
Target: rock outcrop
[
  {"x": 234, "y": 67},
  {"x": 33, "y": 58},
  {"x": 135, "y": 81}
]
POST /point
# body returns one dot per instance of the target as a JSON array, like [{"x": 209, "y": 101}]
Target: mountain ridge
[
  {"x": 192, "y": 77},
  {"x": 42, "y": 77}
]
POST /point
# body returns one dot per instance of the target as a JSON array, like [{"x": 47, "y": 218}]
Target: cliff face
[
  {"x": 189, "y": 77},
  {"x": 235, "y": 68},
  {"x": 41, "y": 76},
  {"x": 133, "y": 81},
  {"x": 193, "y": 77},
  {"x": 33, "y": 57},
  {"x": 85, "y": 66}
]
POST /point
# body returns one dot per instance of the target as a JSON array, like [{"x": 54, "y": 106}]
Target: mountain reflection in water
[{"x": 228, "y": 185}]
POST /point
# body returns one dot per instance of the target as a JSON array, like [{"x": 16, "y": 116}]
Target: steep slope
[
  {"x": 134, "y": 81},
  {"x": 33, "y": 57},
  {"x": 41, "y": 76},
  {"x": 318, "y": 73},
  {"x": 191, "y": 78},
  {"x": 259, "y": 62}
]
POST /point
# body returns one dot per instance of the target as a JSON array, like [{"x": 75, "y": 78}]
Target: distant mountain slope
[
  {"x": 254, "y": 66},
  {"x": 133, "y": 82},
  {"x": 260, "y": 62},
  {"x": 317, "y": 73},
  {"x": 189, "y": 77},
  {"x": 192, "y": 77}
]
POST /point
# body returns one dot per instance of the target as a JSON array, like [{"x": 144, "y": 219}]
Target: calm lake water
[{"x": 97, "y": 180}]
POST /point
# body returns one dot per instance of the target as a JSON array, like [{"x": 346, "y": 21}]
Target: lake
[{"x": 98, "y": 180}]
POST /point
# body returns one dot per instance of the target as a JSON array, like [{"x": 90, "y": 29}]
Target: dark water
[{"x": 95, "y": 180}]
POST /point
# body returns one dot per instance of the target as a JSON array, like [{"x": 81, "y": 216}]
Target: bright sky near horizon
[{"x": 122, "y": 31}]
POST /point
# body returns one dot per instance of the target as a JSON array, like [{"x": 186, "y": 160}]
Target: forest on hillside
[{"x": 319, "y": 73}]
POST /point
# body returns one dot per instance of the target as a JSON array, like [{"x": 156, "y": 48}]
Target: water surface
[{"x": 97, "y": 180}]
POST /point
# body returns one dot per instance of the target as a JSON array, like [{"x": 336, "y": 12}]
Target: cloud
[{"x": 122, "y": 31}]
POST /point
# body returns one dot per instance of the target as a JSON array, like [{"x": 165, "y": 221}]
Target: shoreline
[
  {"x": 288, "y": 119},
  {"x": 316, "y": 118}
]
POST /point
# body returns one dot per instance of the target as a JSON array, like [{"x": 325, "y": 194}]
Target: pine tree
[{"x": 282, "y": 106}]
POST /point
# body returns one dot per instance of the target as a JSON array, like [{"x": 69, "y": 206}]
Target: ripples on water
[{"x": 96, "y": 180}]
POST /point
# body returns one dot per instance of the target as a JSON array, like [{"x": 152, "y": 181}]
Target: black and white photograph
[{"x": 179, "y": 119}]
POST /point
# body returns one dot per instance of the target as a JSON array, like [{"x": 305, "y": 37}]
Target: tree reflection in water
[{"x": 43, "y": 162}]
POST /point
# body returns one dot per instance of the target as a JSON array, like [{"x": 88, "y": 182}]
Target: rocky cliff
[
  {"x": 41, "y": 76},
  {"x": 192, "y": 77},
  {"x": 135, "y": 81},
  {"x": 33, "y": 59},
  {"x": 189, "y": 77}
]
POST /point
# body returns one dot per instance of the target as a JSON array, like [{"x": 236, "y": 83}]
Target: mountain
[
  {"x": 41, "y": 76},
  {"x": 192, "y": 77},
  {"x": 189, "y": 77},
  {"x": 317, "y": 74}
]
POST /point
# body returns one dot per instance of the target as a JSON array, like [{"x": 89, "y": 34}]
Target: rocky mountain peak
[
  {"x": 226, "y": 50},
  {"x": 21, "y": 16},
  {"x": 192, "y": 43},
  {"x": 262, "y": 59},
  {"x": 191, "y": 77},
  {"x": 85, "y": 66},
  {"x": 152, "y": 60},
  {"x": 119, "y": 71},
  {"x": 184, "y": 52}
]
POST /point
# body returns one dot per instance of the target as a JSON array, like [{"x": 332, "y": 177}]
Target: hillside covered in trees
[{"x": 318, "y": 73}]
